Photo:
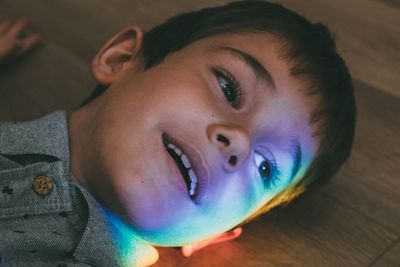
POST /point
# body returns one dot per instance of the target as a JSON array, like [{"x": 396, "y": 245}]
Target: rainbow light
[{"x": 131, "y": 249}]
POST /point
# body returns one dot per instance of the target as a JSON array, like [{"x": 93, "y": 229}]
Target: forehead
[
  {"x": 267, "y": 49},
  {"x": 263, "y": 46}
]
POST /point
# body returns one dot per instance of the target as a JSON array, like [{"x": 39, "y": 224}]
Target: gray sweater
[{"x": 45, "y": 218}]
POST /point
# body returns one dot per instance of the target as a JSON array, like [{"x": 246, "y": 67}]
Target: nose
[{"x": 233, "y": 144}]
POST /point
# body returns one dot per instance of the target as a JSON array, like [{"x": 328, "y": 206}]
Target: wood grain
[
  {"x": 373, "y": 170},
  {"x": 367, "y": 34},
  {"x": 50, "y": 79},
  {"x": 314, "y": 231},
  {"x": 390, "y": 258},
  {"x": 368, "y": 38},
  {"x": 353, "y": 221}
]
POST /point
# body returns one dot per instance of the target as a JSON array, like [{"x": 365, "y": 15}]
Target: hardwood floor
[{"x": 353, "y": 221}]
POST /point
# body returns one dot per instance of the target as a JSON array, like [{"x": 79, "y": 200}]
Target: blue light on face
[
  {"x": 237, "y": 201},
  {"x": 268, "y": 170}
]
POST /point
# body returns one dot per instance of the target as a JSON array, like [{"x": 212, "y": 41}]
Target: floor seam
[
  {"x": 384, "y": 252},
  {"x": 363, "y": 214}
]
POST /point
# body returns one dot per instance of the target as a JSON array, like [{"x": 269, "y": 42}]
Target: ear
[
  {"x": 188, "y": 250},
  {"x": 117, "y": 55}
]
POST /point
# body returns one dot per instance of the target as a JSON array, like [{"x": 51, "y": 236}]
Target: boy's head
[{"x": 255, "y": 97}]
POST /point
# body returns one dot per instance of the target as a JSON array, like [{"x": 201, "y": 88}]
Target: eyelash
[
  {"x": 232, "y": 90},
  {"x": 274, "y": 177},
  {"x": 271, "y": 180}
]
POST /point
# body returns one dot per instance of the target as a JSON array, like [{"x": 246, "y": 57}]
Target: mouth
[{"x": 185, "y": 167}]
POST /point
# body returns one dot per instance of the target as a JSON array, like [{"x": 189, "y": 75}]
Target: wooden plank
[
  {"x": 348, "y": 223},
  {"x": 369, "y": 39},
  {"x": 369, "y": 182},
  {"x": 367, "y": 35},
  {"x": 82, "y": 27},
  {"x": 391, "y": 258},
  {"x": 394, "y": 3},
  {"x": 313, "y": 231},
  {"x": 49, "y": 79}
]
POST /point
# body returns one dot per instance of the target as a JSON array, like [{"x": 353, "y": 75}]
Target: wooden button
[{"x": 42, "y": 185}]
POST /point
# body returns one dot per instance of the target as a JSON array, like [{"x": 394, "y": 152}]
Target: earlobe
[
  {"x": 188, "y": 250},
  {"x": 117, "y": 55}
]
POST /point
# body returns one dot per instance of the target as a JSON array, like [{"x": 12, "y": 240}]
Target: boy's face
[{"x": 241, "y": 147}]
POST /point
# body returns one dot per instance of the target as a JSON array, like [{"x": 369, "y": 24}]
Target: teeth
[
  {"x": 191, "y": 192},
  {"x": 172, "y": 146},
  {"x": 192, "y": 176},
  {"x": 193, "y": 183},
  {"x": 192, "y": 188},
  {"x": 185, "y": 161},
  {"x": 178, "y": 151}
]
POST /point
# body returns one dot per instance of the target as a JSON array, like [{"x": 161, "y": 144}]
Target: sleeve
[{"x": 6, "y": 164}]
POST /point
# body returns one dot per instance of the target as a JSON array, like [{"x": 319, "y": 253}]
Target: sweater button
[{"x": 42, "y": 185}]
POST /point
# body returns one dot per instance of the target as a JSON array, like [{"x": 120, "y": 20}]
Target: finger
[
  {"x": 188, "y": 250},
  {"x": 4, "y": 26},
  {"x": 229, "y": 235},
  {"x": 146, "y": 256},
  {"x": 233, "y": 234},
  {"x": 11, "y": 52},
  {"x": 16, "y": 28},
  {"x": 29, "y": 42}
]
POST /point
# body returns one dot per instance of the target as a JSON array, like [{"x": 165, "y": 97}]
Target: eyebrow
[
  {"x": 259, "y": 70},
  {"x": 295, "y": 152}
]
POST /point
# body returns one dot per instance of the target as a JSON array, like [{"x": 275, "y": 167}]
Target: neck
[{"x": 78, "y": 131}]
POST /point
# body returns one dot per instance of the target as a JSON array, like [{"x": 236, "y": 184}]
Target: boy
[{"x": 197, "y": 126}]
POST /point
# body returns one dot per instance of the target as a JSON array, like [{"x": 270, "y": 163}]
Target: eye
[
  {"x": 264, "y": 169},
  {"x": 268, "y": 171},
  {"x": 229, "y": 86}
]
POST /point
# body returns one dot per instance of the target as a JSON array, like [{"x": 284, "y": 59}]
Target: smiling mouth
[{"x": 184, "y": 166}]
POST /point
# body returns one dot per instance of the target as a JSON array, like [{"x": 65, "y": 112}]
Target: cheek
[
  {"x": 238, "y": 195},
  {"x": 248, "y": 194}
]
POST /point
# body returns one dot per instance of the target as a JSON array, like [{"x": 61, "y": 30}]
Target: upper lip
[{"x": 196, "y": 163}]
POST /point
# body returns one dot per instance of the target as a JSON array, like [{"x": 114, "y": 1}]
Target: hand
[
  {"x": 188, "y": 250},
  {"x": 146, "y": 255},
  {"x": 12, "y": 44}
]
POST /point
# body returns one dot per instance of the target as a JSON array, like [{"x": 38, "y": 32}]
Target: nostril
[
  {"x": 233, "y": 160},
  {"x": 223, "y": 139}
]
